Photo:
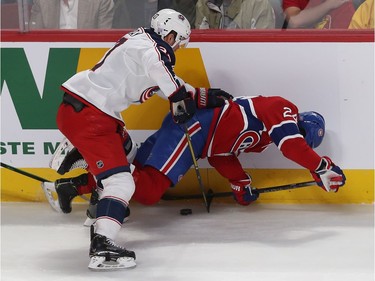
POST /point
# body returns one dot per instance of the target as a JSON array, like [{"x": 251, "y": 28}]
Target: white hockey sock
[{"x": 107, "y": 228}]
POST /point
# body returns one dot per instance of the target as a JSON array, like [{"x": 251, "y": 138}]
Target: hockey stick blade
[{"x": 211, "y": 194}]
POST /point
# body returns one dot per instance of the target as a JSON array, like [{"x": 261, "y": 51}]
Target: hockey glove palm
[
  {"x": 182, "y": 105},
  {"x": 242, "y": 192},
  {"x": 210, "y": 98},
  {"x": 329, "y": 176}
]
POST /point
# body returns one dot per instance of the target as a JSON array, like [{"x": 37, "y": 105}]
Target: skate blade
[
  {"x": 100, "y": 264},
  {"x": 49, "y": 190}
]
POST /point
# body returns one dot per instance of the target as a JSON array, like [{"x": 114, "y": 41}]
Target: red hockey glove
[
  {"x": 242, "y": 192},
  {"x": 328, "y": 176},
  {"x": 182, "y": 105},
  {"x": 210, "y": 98}
]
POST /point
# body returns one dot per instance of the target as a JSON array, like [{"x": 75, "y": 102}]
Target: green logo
[{"x": 37, "y": 110}]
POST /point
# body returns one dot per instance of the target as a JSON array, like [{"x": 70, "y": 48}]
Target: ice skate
[
  {"x": 66, "y": 190},
  {"x": 106, "y": 255}
]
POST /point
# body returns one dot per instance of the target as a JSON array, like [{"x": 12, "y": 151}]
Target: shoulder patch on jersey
[{"x": 148, "y": 93}]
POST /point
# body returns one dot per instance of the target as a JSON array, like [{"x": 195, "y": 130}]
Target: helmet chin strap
[
  {"x": 181, "y": 43},
  {"x": 175, "y": 44}
]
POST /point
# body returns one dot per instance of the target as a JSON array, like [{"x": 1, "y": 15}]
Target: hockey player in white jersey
[{"x": 139, "y": 65}]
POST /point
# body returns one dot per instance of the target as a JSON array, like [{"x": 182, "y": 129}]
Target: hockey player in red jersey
[
  {"x": 246, "y": 124},
  {"x": 242, "y": 125},
  {"x": 139, "y": 65}
]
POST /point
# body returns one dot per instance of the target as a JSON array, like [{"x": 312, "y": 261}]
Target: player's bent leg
[
  {"x": 150, "y": 184},
  {"x": 93, "y": 205},
  {"x": 114, "y": 199}
]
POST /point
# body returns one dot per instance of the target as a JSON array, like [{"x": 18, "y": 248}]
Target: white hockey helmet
[{"x": 167, "y": 20}]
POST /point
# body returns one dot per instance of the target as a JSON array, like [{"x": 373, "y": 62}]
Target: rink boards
[{"x": 332, "y": 77}]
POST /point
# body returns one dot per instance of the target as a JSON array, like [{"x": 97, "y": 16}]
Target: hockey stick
[
  {"x": 211, "y": 194},
  {"x": 47, "y": 185},
  {"x": 207, "y": 203},
  {"x": 27, "y": 174}
]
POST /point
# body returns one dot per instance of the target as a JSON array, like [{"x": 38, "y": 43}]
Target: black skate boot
[
  {"x": 106, "y": 255},
  {"x": 66, "y": 190}
]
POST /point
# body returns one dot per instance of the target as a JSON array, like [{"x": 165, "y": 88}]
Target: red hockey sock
[{"x": 150, "y": 185}]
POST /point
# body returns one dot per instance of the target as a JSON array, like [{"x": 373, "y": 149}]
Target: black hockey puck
[{"x": 185, "y": 212}]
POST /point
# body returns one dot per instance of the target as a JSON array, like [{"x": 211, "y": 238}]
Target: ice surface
[{"x": 261, "y": 242}]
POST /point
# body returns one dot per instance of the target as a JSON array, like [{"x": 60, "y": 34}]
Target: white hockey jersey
[{"x": 138, "y": 61}]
